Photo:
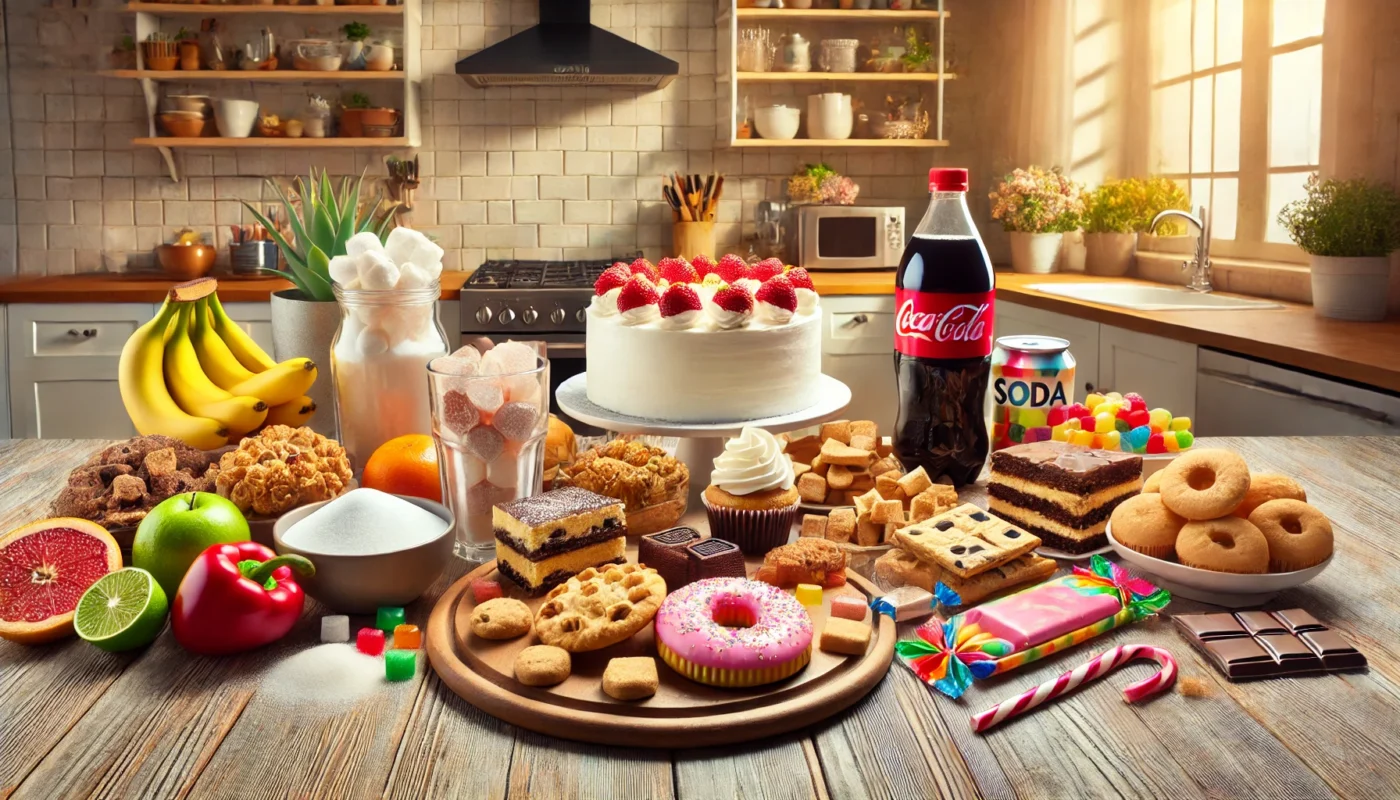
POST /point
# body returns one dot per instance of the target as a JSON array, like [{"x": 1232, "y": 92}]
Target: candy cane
[{"x": 1093, "y": 670}]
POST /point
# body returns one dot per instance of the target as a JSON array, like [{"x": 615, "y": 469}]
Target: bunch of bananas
[{"x": 193, "y": 374}]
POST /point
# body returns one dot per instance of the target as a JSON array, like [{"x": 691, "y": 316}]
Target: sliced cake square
[
  {"x": 544, "y": 540},
  {"x": 1062, "y": 493}
]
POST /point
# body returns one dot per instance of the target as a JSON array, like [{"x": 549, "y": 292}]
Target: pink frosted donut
[{"x": 733, "y": 632}]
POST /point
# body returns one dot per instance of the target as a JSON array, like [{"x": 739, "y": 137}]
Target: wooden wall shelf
[
  {"x": 260, "y": 143},
  {"x": 255, "y": 75},
  {"x": 868, "y": 77},
  {"x": 839, "y": 15},
  {"x": 831, "y": 144},
  {"x": 212, "y": 10}
]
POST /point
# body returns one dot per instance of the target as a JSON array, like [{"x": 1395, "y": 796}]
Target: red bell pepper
[{"x": 236, "y": 597}]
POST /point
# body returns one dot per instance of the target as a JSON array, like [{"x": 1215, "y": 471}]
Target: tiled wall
[{"x": 529, "y": 173}]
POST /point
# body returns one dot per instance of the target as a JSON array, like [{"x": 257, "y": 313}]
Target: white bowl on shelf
[
  {"x": 235, "y": 118},
  {"x": 777, "y": 122},
  {"x": 1227, "y": 589}
]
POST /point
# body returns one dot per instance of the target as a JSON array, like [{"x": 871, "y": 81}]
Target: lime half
[{"x": 123, "y": 610}]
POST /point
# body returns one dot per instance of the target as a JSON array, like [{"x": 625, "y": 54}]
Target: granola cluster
[
  {"x": 118, "y": 485},
  {"x": 631, "y": 471},
  {"x": 280, "y": 469}
]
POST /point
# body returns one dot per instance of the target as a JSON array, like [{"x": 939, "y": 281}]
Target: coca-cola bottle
[{"x": 944, "y": 294}]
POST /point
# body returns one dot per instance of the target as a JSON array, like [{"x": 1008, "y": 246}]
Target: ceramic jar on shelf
[{"x": 794, "y": 54}]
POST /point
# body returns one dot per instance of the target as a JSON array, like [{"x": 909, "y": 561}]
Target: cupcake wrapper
[
  {"x": 1295, "y": 564},
  {"x": 755, "y": 532},
  {"x": 1163, "y": 552}
]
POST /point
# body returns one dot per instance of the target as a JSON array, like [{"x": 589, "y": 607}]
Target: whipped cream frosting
[
  {"x": 752, "y": 462},
  {"x": 640, "y": 315},
  {"x": 606, "y": 304},
  {"x": 681, "y": 321},
  {"x": 806, "y": 301},
  {"x": 775, "y": 315}
]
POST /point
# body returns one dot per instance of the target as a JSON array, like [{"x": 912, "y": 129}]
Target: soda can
[{"x": 1030, "y": 375}]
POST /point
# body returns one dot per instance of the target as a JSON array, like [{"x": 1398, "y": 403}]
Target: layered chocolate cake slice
[
  {"x": 544, "y": 540},
  {"x": 1061, "y": 493}
]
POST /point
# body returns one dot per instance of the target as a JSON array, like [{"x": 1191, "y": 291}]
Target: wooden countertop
[
  {"x": 105, "y": 287},
  {"x": 75, "y": 721},
  {"x": 1364, "y": 352}
]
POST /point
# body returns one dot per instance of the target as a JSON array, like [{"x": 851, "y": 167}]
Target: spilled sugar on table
[{"x": 75, "y": 721}]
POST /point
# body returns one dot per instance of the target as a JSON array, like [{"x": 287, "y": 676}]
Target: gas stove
[{"x": 535, "y": 297}]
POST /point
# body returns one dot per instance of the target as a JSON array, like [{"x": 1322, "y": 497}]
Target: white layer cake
[{"x": 702, "y": 374}]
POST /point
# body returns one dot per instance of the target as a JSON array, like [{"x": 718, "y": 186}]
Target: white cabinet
[
  {"x": 1162, "y": 370},
  {"x": 858, "y": 350},
  {"x": 1083, "y": 335},
  {"x": 1241, "y": 397},
  {"x": 63, "y": 368}
]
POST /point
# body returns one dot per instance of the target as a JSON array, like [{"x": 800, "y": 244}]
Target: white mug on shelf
[{"x": 829, "y": 116}]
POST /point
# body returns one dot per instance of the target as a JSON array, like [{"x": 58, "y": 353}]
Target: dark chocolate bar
[
  {"x": 714, "y": 558},
  {"x": 1268, "y": 644},
  {"x": 665, "y": 552}
]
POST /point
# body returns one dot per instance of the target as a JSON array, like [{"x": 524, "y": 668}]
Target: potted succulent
[
  {"x": 355, "y": 33},
  {"x": 1114, "y": 215},
  {"x": 1349, "y": 229},
  {"x": 1037, "y": 206},
  {"x": 352, "y": 114},
  {"x": 321, "y": 219}
]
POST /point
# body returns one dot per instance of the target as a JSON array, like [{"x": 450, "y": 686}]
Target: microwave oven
[{"x": 849, "y": 237}]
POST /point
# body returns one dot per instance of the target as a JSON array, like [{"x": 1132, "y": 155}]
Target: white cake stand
[{"x": 700, "y": 442}]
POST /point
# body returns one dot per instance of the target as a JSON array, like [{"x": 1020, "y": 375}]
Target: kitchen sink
[{"x": 1149, "y": 298}]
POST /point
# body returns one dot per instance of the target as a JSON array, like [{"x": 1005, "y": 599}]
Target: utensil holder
[
  {"x": 690, "y": 239},
  {"x": 247, "y": 258}
]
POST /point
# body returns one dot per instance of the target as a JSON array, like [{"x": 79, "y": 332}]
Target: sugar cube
[
  {"x": 388, "y": 617},
  {"x": 516, "y": 421},
  {"x": 370, "y": 641},
  {"x": 407, "y": 637},
  {"x": 399, "y": 665},
  {"x": 362, "y": 242},
  {"x": 343, "y": 270},
  {"x": 335, "y": 628},
  {"x": 504, "y": 470},
  {"x": 377, "y": 271},
  {"x": 847, "y": 607},
  {"x": 485, "y": 443},
  {"x": 809, "y": 594},
  {"x": 483, "y": 590}
]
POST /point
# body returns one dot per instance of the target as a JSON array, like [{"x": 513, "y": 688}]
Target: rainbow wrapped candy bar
[{"x": 1028, "y": 625}]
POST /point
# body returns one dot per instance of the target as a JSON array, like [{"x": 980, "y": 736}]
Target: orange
[{"x": 406, "y": 465}]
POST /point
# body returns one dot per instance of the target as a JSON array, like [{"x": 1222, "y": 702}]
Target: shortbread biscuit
[
  {"x": 542, "y": 665},
  {"x": 600, "y": 607},
  {"x": 966, "y": 540},
  {"x": 501, "y": 618},
  {"x": 631, "y": 678}
]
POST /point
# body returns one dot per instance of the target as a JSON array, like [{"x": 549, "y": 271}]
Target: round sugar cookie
[
  {"x": 1299, "y": 535},
  {"x": 1205, "y": 484},
  {"x": 1227, "y": 544}
]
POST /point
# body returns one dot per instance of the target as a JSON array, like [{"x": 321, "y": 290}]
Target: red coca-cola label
[{"x": 943, "y": 326}]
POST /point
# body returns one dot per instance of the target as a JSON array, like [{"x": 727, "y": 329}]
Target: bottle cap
[{"x": 947, "y": 180}]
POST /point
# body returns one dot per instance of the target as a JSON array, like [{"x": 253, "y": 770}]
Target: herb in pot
[{"x": 1344, "y": 218}]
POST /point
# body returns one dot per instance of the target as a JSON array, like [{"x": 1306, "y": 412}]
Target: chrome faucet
[{"x": 1200, "y": 269}]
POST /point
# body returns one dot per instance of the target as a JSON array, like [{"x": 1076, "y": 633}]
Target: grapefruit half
[{"x": 44, "y": 569}]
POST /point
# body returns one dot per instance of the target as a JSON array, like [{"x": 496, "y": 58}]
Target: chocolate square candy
[
  {"x": 665, "y": 552},
  {"x": 1335, "y": 652},
  {"x": 714, "y": 558},
  {"x": 1291, "y": 654},
  {"x": 1260, "y": 622},
  {"x": 1296, "y": 620},
  {"x": 1240, "y": 658},
  {"x": 1210, "y": 626}
]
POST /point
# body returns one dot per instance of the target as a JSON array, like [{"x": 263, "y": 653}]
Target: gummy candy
[
  {"x": 1038, "y": 434},
  {"x": 1103, "y": 423},
  {"x": 1169, "y": 441},
  {"x": 388, "y": 617},
  {"x": 1092, "y": 400},
  {"x": 483, "y": 590},
  {"x": 399, "y": 665},
  {"x": 1139, "y": 436},
  {"x": 1055, "y": 416},
  {"x": 1133, "y": 398},
  {"x": 407, "y": 637},
  {"x": 1184, "y": 439},
  {"x": 1138, "y": 419},
  {"x": 1159, "y": 418},
  {"x": 370, "y": 641},
  {"x": 1121, "y": 425},
  {"x": 1155, "y": 445},
  {"x": 1060, "y": 433},
  {"x": 1111, "y": 440},
  {"x": 1180, "y": 424},
  {"x": 1018, "y": 433},
  {"x": 1074, "y": 424},
  {"x": 1114, "y": 396},
  {"x": 809, "y": 594},
  {"x": 1032, "y": 417},
  {"x": 1076, "y": 409},
  {"x": 1082, "y": 438}
]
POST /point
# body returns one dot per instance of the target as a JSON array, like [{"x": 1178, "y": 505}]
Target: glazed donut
[
  {"x": 1299, "y": 535},
  {"x": 1205, "y": 484},
  {"x": 733, "y": 632},
  {"x": 1263, "y": 487},
  {"x": 1227, "y": 544}
]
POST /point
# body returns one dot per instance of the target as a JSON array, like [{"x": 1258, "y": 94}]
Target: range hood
[{"x": 567, "y": 49}]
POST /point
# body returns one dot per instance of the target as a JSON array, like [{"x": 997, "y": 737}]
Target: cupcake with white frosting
[{"x": 752, "y": 498}]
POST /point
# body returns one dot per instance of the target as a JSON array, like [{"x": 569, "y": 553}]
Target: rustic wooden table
[{"x": 75, "y": 721}]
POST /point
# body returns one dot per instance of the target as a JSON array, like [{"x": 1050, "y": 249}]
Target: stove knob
[
  {"x": 528, "y": 316},
  {"x": 581, "y": 315},
  {"x": 557, "y": 315},
  {"x": 483, "y": 315},
  {"x": 506, "y": 316}
]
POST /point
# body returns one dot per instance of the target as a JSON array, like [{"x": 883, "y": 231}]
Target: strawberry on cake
[{"x": 704, "y": 341}]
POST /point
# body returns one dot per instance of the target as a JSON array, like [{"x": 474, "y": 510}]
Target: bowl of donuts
[{"x": 1207, "y": 528}]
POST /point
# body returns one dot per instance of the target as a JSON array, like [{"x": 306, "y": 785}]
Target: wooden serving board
[{"x": 681, "y": 714}]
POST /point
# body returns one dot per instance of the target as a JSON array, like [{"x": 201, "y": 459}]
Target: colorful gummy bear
[
  {"x": 399, "y": 665},
  {"x": 370, "y": 641},
  {"x": 483, "y": 590},
  {"x": 388, "y": 618},
  {"x": 407, "y": 637}
]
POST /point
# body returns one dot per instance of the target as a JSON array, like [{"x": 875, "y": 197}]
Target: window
[{"x": 1236, "y": 105}]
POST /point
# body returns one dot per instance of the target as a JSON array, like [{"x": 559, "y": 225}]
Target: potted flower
[
  {"x": 1037, "y": 206},
  {"x": 355, "y": 33},
  {"x": 1114, "y": 215},
  {"x": 1349, "y": 229},
  {"x": 820, "y": 184},
  {"x": 320, "y": 220}
]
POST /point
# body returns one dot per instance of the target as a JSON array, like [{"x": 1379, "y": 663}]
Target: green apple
[{"x": 179, "y": 529}]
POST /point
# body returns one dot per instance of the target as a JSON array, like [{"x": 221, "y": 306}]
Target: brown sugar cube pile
[{"x": 847, "y": 463}]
